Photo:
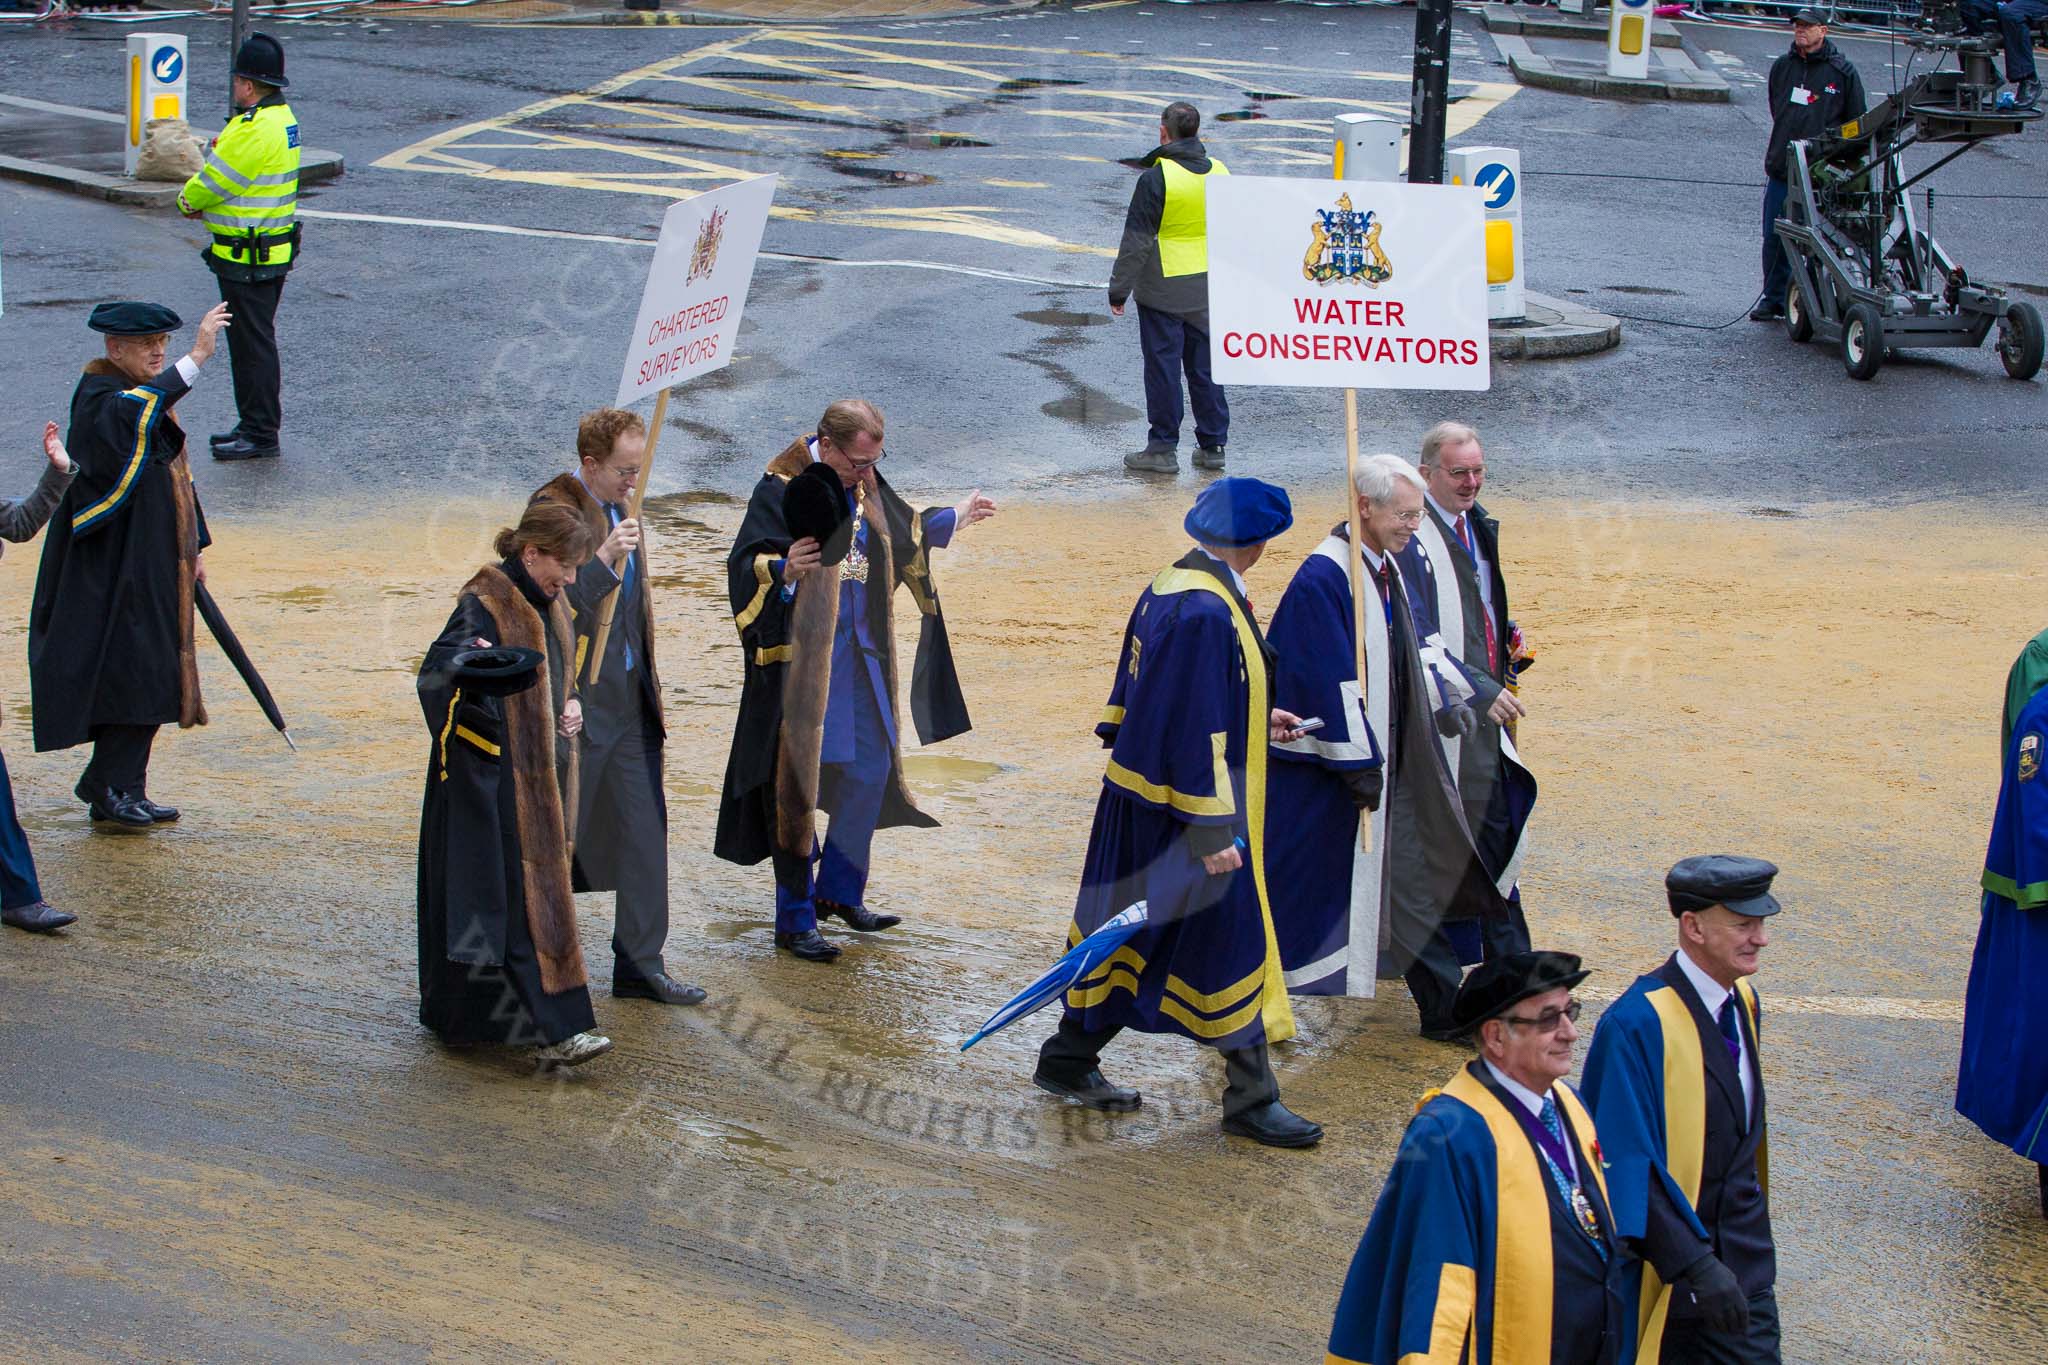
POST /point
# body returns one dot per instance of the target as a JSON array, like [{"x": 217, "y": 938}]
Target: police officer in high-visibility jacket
[
  {"x": 1164, "y": 260},
  {"x": 247, "y": 195}
]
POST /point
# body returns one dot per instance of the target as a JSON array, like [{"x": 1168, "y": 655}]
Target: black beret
[
  {"x": 1498, "y": 984},
  {"x": 133, "y": 319},
  {"x": 1741, "y": 884},
  {"x": 498, "y": 671},
  {"x": 814, "y": 505}
]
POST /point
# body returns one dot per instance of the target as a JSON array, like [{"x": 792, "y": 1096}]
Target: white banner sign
[
  {"x": 697, "y": 287},
  {"x": 1347, "y": 284}
]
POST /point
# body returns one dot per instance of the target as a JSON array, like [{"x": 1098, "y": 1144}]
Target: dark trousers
[
  {"x": 120, "y": 759},
  {"x": 18, "y": 884},
  {"x": 1689, "y": 1343},
  {"x": 252, "y": 353},
  {"x": 2011, "y": 21},
  {"x": 1073, "y": 1052},
  {"x": 1174, "y": 345},
  {"x": 622, "y": 842},
  {"x": 853, "y": 793},
  {"x": 1777, "y": 270}
]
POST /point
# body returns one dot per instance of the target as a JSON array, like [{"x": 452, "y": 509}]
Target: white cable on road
[{"x": 508, "y": 230}]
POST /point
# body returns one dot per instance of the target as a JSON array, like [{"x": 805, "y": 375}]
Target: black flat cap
[
  {"x": 498, "y": 671},
  {"x": 1499, "y": 984},
  {"x": 1810, "y": 15},
  {"x": 133, "y": 319},
  {"x": 814, "y": 505},
  {"x": 1741, "y": 884}
]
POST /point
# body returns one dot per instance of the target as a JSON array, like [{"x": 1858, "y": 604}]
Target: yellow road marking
[{"x": 950, "y": 71}]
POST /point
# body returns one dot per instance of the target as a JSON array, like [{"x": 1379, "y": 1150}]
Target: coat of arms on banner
[
  {"x": 705, "y": 254},
  {"x": 1344, "y": 248}
]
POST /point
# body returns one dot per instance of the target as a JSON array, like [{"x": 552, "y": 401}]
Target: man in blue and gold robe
[
  {"x": 1675, "y": 1081},
  {"x": 2003, "y": 1083},
  {"x": 1493, "y": 1242},
  {"x": 1180, "y": 826}
]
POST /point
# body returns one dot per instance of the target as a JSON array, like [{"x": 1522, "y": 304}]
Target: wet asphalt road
[
  {"x": 227, "y": 1138},
  {"x": 426, "y": 358}
]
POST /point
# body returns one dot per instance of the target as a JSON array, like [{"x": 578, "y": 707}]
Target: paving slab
[
  {"x": 64, "y": 147},
  {"x": 1553, "y": 329}
]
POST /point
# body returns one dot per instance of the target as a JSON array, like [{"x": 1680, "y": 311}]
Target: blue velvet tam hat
[
  {"x": 133, "y": 319},
  {"x": 1236, "y": 512}
]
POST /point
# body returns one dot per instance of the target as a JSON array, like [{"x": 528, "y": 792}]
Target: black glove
[
  {"x": 1457, "y": 722},
  {"x": 1718, "y": 1300},
  {"x": 1365, "y": 786}
]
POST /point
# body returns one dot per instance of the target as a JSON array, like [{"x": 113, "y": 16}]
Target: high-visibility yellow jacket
[
  {"x": 1184, "y": 221},
  {"x": 248, "y": 191}
]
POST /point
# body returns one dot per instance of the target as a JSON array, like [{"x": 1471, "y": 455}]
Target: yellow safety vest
[
  {"x": 1184, "y": 222},
  {"x": 248, "y": 191}
]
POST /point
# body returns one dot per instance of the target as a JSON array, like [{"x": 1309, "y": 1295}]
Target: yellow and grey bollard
[
  {"x": 1628, "y": 39},
  {"x": 155, "y": 77},
  {"x": 1498, "y": 171}
]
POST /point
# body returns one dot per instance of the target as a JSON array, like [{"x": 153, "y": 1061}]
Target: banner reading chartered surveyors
[
  {"x": 697, "y": 287},
  {"x": 1347, "y": 284}
]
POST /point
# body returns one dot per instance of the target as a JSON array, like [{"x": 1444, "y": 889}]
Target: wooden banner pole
[
  {"x": 1357, "y": 566},
  {"x": 611, "y": 599}
]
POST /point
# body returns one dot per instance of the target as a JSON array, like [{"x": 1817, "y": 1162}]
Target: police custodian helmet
[{"x": 262, "y": 59}]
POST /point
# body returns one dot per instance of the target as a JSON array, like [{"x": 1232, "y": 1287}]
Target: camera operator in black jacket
[{"x": 1813, "y": 89}]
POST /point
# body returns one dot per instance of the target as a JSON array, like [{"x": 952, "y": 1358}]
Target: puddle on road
[
  {"x": 1060, "y": 317},
  {"x": 881, "y": 175}
]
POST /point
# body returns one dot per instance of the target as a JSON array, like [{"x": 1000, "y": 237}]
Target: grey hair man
[{"x": 1379, "y": 758}]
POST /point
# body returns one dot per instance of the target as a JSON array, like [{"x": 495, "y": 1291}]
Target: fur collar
[
  {"x": 543, "y": 841},
  {"x": 792, "y": 461}
]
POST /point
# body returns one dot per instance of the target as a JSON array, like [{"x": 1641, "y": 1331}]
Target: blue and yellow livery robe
[
  {"x": 110, "y": 631},
  {"x": 1186, "y": 730},
  {"x": 1669, "y": 1103},
  {"x": 2002, "y": 1085},
  {"x": 1469, "y": 1255}
]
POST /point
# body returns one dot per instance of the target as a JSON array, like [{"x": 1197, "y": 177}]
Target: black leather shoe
[
  {"x": 810, "y": 945},
  {"x": 660, "y": 987},
  {"x": 857, "y": 916},
  {"x": 40, "y": 918},
  {"x": 242, "y": 448},
  {"x": 1091, "y": 1090},
  {"x": 163, "y": 815},
  {"x": 1275, "y": 1125},
  {"x": 1767, "y": 312},
  {"x": 110, "y": 805},
  {"x": 226, "y": 438}
]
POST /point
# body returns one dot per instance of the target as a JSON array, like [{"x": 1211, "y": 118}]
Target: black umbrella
[{"x": 239, "y": 657}]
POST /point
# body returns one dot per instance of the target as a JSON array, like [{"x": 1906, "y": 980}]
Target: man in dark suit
[
  {"x": 1458, "y": 532},
  {"x": 1675, "y": 1083}
]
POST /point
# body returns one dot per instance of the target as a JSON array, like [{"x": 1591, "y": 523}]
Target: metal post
[
  {"x": 238, "y": 33},
  {"x": 1432, "y": 91}
]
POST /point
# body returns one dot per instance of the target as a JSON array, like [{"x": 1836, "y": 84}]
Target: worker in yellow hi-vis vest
[
  {"x": 247, "y": 194},
  {"x": 1164, "y": 260}
]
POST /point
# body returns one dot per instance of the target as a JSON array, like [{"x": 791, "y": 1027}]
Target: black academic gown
[
  {"x": 110, "y": 628},
  {"x": 480, "y": 980},
  {"x": 747, "y": 805}
]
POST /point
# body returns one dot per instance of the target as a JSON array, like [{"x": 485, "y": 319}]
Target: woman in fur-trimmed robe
[
  {"x": 499, "y": 957},
  {"x": 817, "y": 725}
]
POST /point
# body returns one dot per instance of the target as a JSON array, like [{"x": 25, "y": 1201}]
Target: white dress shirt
[
  {"x": 1235, "y": 576},
  {"x": 1484, "y": 573},
  {"x": 1712, "y": 993},
  {"x": 1533, "y": 1102}
]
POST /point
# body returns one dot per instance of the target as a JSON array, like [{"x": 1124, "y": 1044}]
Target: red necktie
[
  {"x": 1492, "y": 646},
  {"x": 1380, "y": 580}
]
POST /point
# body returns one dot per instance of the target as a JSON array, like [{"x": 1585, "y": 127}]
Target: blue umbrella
[{"x": 1081, "y": 959}]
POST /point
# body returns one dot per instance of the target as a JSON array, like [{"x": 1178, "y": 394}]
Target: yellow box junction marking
[{"x": 610, "y": 137}]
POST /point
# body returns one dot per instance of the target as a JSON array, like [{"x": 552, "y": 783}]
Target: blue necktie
[
  {"x": 625, "y": 577},
  {"x": 1731, "y": 1032},
  {"x": 1554, "y": 1125}
]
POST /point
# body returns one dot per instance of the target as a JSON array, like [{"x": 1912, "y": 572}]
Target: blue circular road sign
[
  {"x": 166, "y": 64},
  {"x": 1498, "y": 182}
]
